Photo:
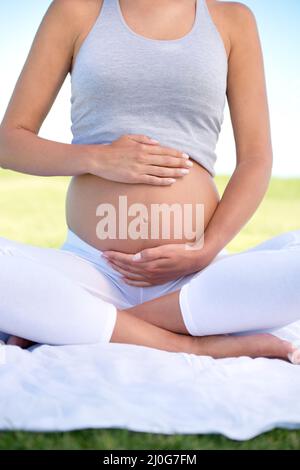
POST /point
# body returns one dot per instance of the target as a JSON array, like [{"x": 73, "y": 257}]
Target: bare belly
[{"x": 130, "y": 217}]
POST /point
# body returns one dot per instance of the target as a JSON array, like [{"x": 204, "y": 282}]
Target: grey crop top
[{"x": 171, "y": 90}]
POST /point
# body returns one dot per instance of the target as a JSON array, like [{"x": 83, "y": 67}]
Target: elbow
[
  {"x": 6, "y": 134},
  {"x": 257, "y": 168},
  {"x": 260, "y": 162},
  {"x": 265, "y": 163},
  {"x": 267, "y": 160},
  {"x": 2, "y": 148}
]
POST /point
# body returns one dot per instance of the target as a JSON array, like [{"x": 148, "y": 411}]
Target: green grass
[
  {"x": 119, "y": 440},
  {"x": 32, "y": 211}
]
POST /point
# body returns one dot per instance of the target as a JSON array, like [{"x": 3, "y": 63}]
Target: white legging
[{"x": 70, "y": 296}]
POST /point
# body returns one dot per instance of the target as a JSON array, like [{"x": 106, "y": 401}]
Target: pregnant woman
[{"x": 149, "y": 85}]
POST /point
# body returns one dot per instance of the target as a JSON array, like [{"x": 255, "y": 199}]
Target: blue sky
[{"x": 279, "y": 27}]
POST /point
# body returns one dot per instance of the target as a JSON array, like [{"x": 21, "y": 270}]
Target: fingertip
[
  {"x": 168, "y": 181},
  {"x": 137, "y": 257}
]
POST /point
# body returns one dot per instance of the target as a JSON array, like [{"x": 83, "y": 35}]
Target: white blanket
[{"x": 60, "y": 388}]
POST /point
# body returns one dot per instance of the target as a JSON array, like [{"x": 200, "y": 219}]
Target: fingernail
[
  {"x": 189, "y": 163},
  {"x": 185, "y": 155},
  {"x": 172, "y": 180},
  {"x": 154, "y": 141},
  {"x": 184, "y": 171},
  {"x": 136, "y": 257},
  {"x": 294, "y": 357}
]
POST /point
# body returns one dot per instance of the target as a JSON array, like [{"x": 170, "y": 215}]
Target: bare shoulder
[
  {"x": 48, "y": 62},
  {"x": 81, "y": 15},
  {"x": 75, "y": 13},
  {"x": 234, "y": 19},
  {"x": 82, "y": 8},
  {"x": 74, "y": 7},
  {"x": 231, "y": 11}
]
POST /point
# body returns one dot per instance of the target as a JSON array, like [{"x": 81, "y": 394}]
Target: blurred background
[
  {"x": 278, "y": 22},
  {"x": 32, "y": 208},
  {"x": 279, "y": 26}
]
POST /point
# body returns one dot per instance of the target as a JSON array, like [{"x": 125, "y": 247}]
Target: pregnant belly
[{"x": 130, "y": 217}]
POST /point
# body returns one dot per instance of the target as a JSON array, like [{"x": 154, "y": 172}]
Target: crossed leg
[
  {"x": 256, "y": 290},
  {"x": 60, "y": 311}
]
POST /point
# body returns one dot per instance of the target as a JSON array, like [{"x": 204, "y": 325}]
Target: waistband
[{"x": 72, "y": 240}]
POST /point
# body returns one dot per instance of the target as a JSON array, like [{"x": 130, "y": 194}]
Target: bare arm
[
  {"x": 247, "y": 99},
  {"x": 41, "y": 78},
  {"x": 129, "y": 159}
]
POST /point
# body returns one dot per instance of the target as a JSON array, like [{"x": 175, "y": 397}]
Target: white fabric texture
[
  {"x": 65, "y": 296},
  {"x": 69, "y": 296},
  {"x": 106, "y": 385},
  {"x": 253, "y": 290},
  {"x": 60, "y": 388}
]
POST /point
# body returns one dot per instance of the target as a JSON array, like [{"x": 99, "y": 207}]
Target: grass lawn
[{"x": 32, "y": 211}]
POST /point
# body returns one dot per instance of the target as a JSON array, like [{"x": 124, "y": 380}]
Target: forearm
[
  {"x": 23, "y": 151},
  {"x": 239, "y": 202}
]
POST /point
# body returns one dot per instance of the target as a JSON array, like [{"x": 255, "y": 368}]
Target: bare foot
[
  {"x": 21, "y": 342},
  {"x": 258, "y": 345},
  {"x": 223, "y": 346}
]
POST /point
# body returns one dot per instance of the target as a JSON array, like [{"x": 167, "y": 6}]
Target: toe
[{"x": 294, "y": 357}]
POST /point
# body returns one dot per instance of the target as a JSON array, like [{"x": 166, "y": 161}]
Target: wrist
[
  {"x": 95, "y": 158},
  {"x": 202, "y": 259},
  {"x": 202, "y": 256},
  {"x": 213, "y": 244}
]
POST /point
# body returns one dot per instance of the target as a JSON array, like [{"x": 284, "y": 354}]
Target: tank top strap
[
  {"x": 112, "y": 13},
  {"x": 200, "y": 14},
  {"x": 109, "y": 16},
  {"x": 110, "y": 8},
  {"x": 204, "y": 18},
  {"x": 173, "y": 90}
]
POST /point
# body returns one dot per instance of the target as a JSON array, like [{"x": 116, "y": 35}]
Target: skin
[
  {"x": 158, "y": 324},
  {"x": 54, "y": 50},
  {"x": 250, "y": 119}
]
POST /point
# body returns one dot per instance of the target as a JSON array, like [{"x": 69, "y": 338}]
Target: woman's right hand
[{"x": 135, "y": 158}]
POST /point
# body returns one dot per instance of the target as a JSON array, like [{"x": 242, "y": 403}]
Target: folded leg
[
  {"x": 40, "y": 303},
  {"x": 254, "y": 290},
  {"x": 86, "y": 273},
  {"x": 50, "y": 296}
]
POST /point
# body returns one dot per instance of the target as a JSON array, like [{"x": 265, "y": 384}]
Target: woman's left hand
[{"x": 154, "y": 266}]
